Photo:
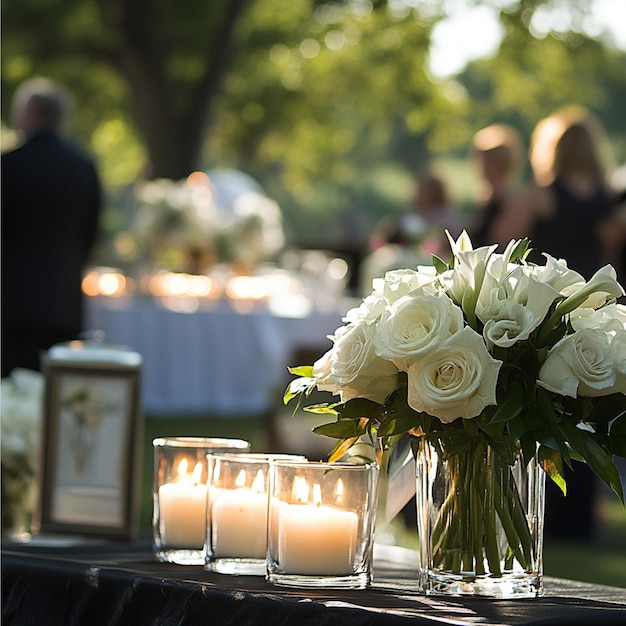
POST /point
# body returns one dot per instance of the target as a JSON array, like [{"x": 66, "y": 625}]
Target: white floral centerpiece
[
  {"x": 177, "y": 220},
  {"x": 20, "y": 416},
  {"x": 486, "y": 361},
  {"x": 186, "y": 228}
]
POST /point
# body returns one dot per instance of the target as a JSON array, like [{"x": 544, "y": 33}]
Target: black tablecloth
[{"x": 112, "y": 583}]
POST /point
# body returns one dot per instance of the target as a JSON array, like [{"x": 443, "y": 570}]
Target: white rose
[
  {"x": 611, "y": 318},
  {"x": 322, "y": 374},
  {"x": 618, "y": 353},
  {"x": 415, "y": 324},
  {"x": 398, "y": 283},
  {"x": 370, "y": 309},
  {"x": 22, "y": 406},
  {"x": 457, "y": 379},
  {"x": 514, "y": 308},
  {"x": 356, "y": 371},
  {"x": 580, "y": 364},
  {"x": 514, "y": 323}
]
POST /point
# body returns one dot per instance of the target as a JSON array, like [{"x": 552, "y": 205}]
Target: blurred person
[
  {"x": 613, "y": 230},
  {"x": 498, "y": 151},
  {"x": 570, "y": 206},
  {"x": 350, "y": 239},
  {"x": 51, "y": 201},
  {"x": 430, "y": 215},
  {"x": 410, "y": 239}
]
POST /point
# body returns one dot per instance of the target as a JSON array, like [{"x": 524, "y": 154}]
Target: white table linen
[{"x": 214, "y": 361}]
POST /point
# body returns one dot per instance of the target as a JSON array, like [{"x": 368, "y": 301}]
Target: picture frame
[{"x": 91, "y": 444}]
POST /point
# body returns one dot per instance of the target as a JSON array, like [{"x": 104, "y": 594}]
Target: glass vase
[{"x": 480, "y": 521}]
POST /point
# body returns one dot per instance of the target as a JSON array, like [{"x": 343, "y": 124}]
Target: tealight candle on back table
[
  {"x": 180, "y": 495},
  {"x": 321, "y": 528},
  {"x": 238, "y": 512}
]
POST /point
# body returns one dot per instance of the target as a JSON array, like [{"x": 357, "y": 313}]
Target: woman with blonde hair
[
  {"x": 571, "y": 203},
  {"x": 571, "y": 206}
]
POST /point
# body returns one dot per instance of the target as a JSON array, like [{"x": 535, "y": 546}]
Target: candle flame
[
  {"x": 339, "y": 491},
  {"x": 196, "y": 475},
  {"x": 300, "y": 489},
  {"x": 182, "y": 467},
  {"x": 317, "y": 494},
  {"x": 258, "y": 484},
  {"x": 216, "y": 471},
  {"x": 241, "y": 479}
]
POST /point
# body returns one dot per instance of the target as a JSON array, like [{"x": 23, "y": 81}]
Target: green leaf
[
  {"x": 341, "y": 448},
  {"x": 528, "y": 445},
  {"x": 605, "y": 409},
  {"x": 494, "y": 430},
  {"x": 545, "y": 437},
  {"x": 302, "y": 370},
  {"x": 322, "y": 409},
  {"x": 520, "y": 251},
  {"x": 298, "y": 386},
  {"x": 342, "y": 429},
  {"x": 596, "y": 457},
  {"x": 516, "y": 428},
  {"x": 439, "y": 264},
  {"x": 546, "y": 410},
  {"x": 362, "y": 452},
  {"x": 511, "y": 406},
  {"x": 618, "y": 436},
  {"x": 396, "y": 425},
  {"x": 552, "y": 464},
  {"x": 360, "y": 407}
]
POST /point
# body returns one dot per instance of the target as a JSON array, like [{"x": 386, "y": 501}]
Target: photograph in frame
[{"x": 91, "y": 448}]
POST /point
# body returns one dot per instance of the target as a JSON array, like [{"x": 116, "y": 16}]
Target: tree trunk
[{"x": 172, "y": 117}]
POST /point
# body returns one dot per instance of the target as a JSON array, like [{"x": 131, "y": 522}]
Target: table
[
  {"x": 113, "y": 583},
  {"x": 215, "y": 360}
]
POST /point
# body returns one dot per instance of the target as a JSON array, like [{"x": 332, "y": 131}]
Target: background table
[
  {"x": 118, "y": 584},
  {"x": 217, "y": 360}
]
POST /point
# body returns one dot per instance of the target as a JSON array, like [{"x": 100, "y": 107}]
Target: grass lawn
[{"x": 602, "y": 561}]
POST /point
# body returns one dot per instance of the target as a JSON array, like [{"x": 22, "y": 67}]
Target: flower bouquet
[
  {"x": 21, "y": 414},
  {"x": 500, "y": 371},
  {"x": 186, "y": 229}
]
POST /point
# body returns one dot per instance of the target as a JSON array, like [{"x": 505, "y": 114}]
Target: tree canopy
[{"x": 320, "y": 100}]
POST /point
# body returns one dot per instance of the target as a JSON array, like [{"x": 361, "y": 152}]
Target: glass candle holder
[
  {"x": 179, "y": 518},
  {"x": 238, "y": 510},
  {"x": 321, "y": 523}
]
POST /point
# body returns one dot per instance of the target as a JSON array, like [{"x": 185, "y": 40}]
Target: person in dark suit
[{"x": 51, "y": 201}]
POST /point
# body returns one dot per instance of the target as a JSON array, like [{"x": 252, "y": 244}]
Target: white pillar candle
[
  {"x": 316, "y": 540},
  {"x": 182, "y": 510},
  {"x": 239, "y": 521}
]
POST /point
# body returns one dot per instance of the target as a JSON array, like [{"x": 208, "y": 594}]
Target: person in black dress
[
  {"x": 571, "y": 207},
  {"x": 51, "y": 201},
  {"x": 572, "y": 202}
]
